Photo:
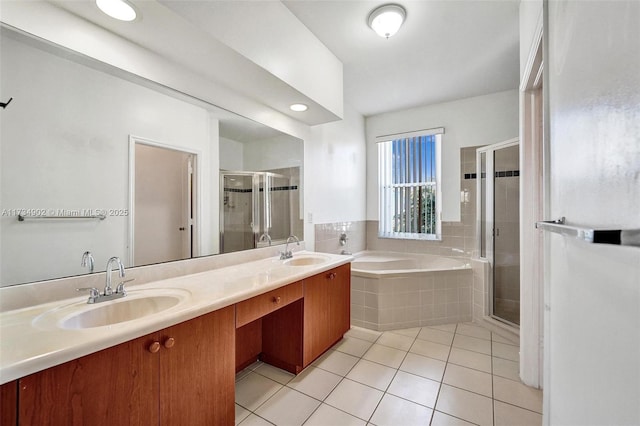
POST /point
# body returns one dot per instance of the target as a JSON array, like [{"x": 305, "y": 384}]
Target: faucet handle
[
  {"x": 94, "y": 293},
  {"x": 120, "y": 287}
]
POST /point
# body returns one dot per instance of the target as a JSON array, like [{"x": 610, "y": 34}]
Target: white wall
[
  {"x": 474, "y": 121},
  {"x": 64, "y": 113},
  {"x": 335, "y": 172},
  {"x": 231, "y": 155}
]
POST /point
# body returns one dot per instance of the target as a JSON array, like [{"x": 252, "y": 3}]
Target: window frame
[{"x": 386, "y": 231}]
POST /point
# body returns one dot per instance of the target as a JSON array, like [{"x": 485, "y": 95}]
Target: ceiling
[{"x": 446, "y": 50}]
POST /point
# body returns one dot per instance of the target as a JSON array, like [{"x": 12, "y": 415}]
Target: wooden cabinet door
[
  {"x": 340, "y": 307},
  {"x": 115, "y": 386},
  {"x": 9, "y": 403},
  {"x": 197, "y": 371},
  {"x": 316, "y": 335}
]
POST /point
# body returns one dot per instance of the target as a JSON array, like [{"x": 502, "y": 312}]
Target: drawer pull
[
  {"x": 276, "y": 299},
  {"x": 154, "y": 347},
  {"x": 332, "y": 276},
  {"x": 169, "y": 342}
]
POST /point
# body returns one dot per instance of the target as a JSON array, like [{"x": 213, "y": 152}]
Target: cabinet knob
[
  {"x": 169, "y": 342},
  {"x": 154, "y": 347},
  {"x": 276, "y": 299},
  {"x": 332, "y": 275}
]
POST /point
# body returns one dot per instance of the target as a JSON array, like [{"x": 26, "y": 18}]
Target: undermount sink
[
  {"x": 137, "y": 304},
  {"x": 306, "y": 260}
]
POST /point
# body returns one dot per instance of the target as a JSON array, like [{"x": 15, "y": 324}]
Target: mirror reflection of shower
[{"x": 258, "y": 209}]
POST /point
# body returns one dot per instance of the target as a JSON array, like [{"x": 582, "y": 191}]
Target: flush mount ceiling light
[
  {"x": 298, "y": 107},
  {"x": 386, "y": 20},
  {"x": 118, "y": 9}
]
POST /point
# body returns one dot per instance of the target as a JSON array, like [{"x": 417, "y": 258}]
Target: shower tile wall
[
  {"x": 327, "y": 236},
  {"x": 458, "y": 238}
]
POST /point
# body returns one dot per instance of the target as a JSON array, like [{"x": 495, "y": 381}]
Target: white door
[
  {"x": 592, "y": 291},
  {"x": 163, "y": 201}
]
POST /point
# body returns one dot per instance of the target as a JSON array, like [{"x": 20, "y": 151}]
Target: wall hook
[{"x": 3, "y": 105}]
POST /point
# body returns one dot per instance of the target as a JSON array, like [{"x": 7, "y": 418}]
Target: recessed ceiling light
[
  {"x": 386, "y": 20},
  {"x": 118, "y": 9},
  {"x": 298, "y": 107}
]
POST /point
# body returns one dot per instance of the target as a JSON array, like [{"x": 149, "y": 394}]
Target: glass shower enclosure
[
  {"x": 255, "y": 210},
  {"x": 499, "y": 226}
]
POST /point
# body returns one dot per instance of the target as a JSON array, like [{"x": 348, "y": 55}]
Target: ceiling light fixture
[
  {"x": 386, "y": 20},
  {"x": 118, "y": 9},
  {"x": 298, "y": 107}
]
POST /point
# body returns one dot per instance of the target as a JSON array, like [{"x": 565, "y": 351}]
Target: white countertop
[{"x": 26, "y": 348}]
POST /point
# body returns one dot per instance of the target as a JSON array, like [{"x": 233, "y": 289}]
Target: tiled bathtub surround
[
  {"x": 415, "y": 300},
  {"x": 327, "y": 237}
]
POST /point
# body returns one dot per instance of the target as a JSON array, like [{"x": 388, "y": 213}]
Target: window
[{"x": 408, "y": 175}]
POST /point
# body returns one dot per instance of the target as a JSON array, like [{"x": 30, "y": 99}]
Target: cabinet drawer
[{"x": 259, "y": 306}]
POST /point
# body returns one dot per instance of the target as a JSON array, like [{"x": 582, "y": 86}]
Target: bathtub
[{"x": 402, "y": 290}]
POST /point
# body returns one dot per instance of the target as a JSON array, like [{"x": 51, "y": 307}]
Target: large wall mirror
[{"x": 96, "y": 160}]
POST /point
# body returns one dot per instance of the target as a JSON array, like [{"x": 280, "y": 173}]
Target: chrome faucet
[
  {"x": 288, "y": 254},
  {"x": 108, "y": 290},
  {"x": 109, "y": 293},
  {"x": 88, "y": 261},
  {"x": 265, "y": 237}
]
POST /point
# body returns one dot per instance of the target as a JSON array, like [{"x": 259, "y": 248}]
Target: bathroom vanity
[{"x": 177, "y": 366}]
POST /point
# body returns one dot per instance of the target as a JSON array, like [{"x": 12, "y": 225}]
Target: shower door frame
[
  {"x": 260, "y": 218},
  {"x": 489, "y": 237}
]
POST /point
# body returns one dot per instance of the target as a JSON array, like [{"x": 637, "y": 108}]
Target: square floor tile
[
  {"x": 517, "y": 393},
  {"x": 242, "y": 374},
  {"x": 442, "y": 419},
  {"x": 437, "y": 336},
  {"x": 472, "y": 344},
  {"x": 507, "y": 369},
  {"x": 473, "y": 331},
  {"x": 288, "y": 407},
  {"x": 468, "y": 379},
  {"x": 393, "y": 411},
  {"x": 498, "y": 338},
  {"x": 254, "y": 420},
  {"x": 396, "y": 341},
  {"x": 363, "y": 333},
  {"x": 415, "y": 388},
  {"x": 409, "y": 332},
  {"x": 315, "y": 382},
  {"x": 385, "y": 355},
  {"x": 355, "y": 398},
  {"x": 419, "y": 365},
  {"x": 274, "y": 373},
  {"x": 466, "y": 405},
  {"x": 470, "y": 359},
  {"x": 451, "y": 328},
  {"x": 326, "y": 415},
  {"x": 509, "y": 415},
  {"x": 430, "y": 349},
  {"x": 241, "y": 413},
  {"x": 254, "y": 389},
  {"x": 510, "y": 352},
  {"x": 353, "y": 346},
  {"x": 372, "y": 374},
  {"x": 336, "y": 362}
]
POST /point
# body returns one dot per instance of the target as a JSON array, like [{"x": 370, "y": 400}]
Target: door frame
[
  {"x": 534, "y": 184},
  {"x": 196, "y": 240}
]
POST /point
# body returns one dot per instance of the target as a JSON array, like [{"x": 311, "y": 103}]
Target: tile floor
[{"x": 454, "y": 374}]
